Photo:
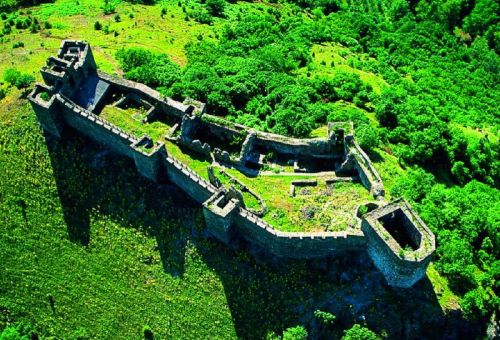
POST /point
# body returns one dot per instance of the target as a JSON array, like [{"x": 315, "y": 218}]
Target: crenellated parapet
[{"x": 75, "y": 93}]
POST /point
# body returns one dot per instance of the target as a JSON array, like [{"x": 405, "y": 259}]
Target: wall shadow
[
  {"x": 89, "y": 178},
  {"x": 264, "y": 293},
  {"x": 268, "y": 294}
]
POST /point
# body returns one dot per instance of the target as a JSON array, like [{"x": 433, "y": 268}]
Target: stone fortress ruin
[{"x": 157, "y": 133}]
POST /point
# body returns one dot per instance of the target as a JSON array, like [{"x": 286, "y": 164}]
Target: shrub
[
  {"x": 295, "y": 333},
  {"x": 18, "y": 44},
  {"x": 216, "y": 7},
  {"x": 45, "y": 96},
  {"x": 6, "y": 30},
  {"x": 326, "y": 318},
  {"x": 147, "y": 67},
  {"x": 17, "y": 332},
  {"x": 47, "y": 25},
  {"x": 118, "y": 18},
  {"x": 108, "y": 8},
  {"x": 202, "y": 17},
  {"x": 97, "y": 26},
  {"x": 34, "y": 27},
  {"x": 148, "y": 333},
  {"x": 21, "y": 24},
  {"x": 358, "y": 332},
  {"x": 18, "y": 79},
  {"x": 368, "y": 137}
]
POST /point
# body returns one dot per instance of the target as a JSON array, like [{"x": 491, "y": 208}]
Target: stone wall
[
  {"x": 224, "y": 215},
  {"x": 94, "y": 127},
  {"x": 149, "y": 162},
  {"x": 165, "y": 104},
  {"x": 46, "y": 112},
  {"x": 219, "y": 212},
  {"x": 359, "y": 161},
  {"x": 296, "y": 245},
  {"x": 196, "y": 187},
  {"x": 310, "y": 148},
  {"x": 401, "y": 267}
]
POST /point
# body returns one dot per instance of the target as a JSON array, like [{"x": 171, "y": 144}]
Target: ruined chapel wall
[{"x": 318, "y": 147}]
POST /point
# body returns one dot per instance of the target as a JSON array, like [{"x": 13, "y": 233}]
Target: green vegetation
[
  {"x": 358, "y": 332},
  {"x": 419, "y": 79},
  {"x": 250, "y": 200},
  {"x": 17, "y": 78},
  {"x": 130, "y": 120},
  {"x": 17, "y": 332},
  {"x": 89, "y": 249},
  {"x": 295, "y": 333}
]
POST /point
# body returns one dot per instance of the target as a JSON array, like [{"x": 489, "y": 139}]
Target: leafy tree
[
  {"x": 358, "y": 332},
  {"x": 414, "y": 185},
  {"x": 368, "y": 137},
  {"x": 477, "y": 302},
  {"x": 483, "y": 17},
  {"x": 295, "y": 333},
  {"x": 325, "y": 318},
  {"x": 456, "y": 259},
  {"x": 18, "y": 79},
  {"x": 147, "y": 67},
  {"x": 216, "y": 7},
  {"x": 20, "y": 331}
]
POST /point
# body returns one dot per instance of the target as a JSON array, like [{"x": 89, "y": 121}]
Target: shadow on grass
[
  {"x": 264, "y": 293},
  {"x": 90, "y": 178}
]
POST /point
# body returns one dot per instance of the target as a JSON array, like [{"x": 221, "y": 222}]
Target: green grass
[
  {"x": 388, "y": 167},
  {"x": 447, "y": 299},
  {"x": 319, "y": 132},
  {"x": 127, "y": 119},
  {"x": 116, "y": 252},
  {"x": 146, "y": 29},
  {"x": 334, "y": 209},
  {"x": 325, "y": 54},
  {"x": 476, "y": 133},
  {"x": 197, "y": 163}
]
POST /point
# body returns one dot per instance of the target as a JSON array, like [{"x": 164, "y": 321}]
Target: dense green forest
[{"x": 419, "y": 79}]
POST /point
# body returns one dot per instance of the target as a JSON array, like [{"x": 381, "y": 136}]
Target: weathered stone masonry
[{"x": 74, "y": 92}]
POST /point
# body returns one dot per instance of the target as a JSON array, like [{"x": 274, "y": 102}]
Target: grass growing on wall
[
  {"x": 126, "y": 119},
  {"x": 313, "y": 208}
]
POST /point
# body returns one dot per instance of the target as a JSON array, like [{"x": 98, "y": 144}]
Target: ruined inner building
[{"x": 297, "y": 198}]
